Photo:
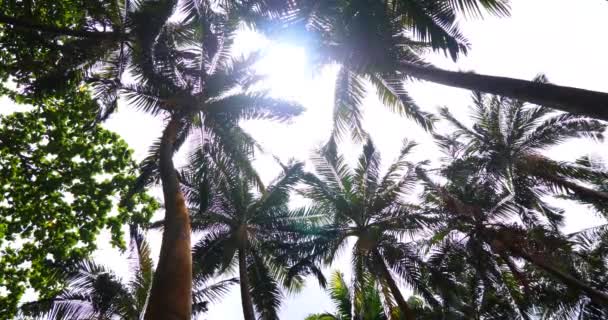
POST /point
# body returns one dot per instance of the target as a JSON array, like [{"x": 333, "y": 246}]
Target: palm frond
[
  {"x": 204, "y": 294},
  {"x": 277, "y": 193},
  {"x": 264, "y": 288},
  {"x": 215, "y": 252},
  {"x": 349, "y": 95},
  {"x": 367, "y": 172},
  {"x": 434, "y": 22},
  {"x": 339, "y": 292},
  {"x": 249, "y": 106},
  {"x": 476, "y": 8},
  {"x": 392, "y": 93}
]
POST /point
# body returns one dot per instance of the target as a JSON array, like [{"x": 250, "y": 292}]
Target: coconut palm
[
  {"x": 345, "y": 28},
  {"x": 52, "y": 46},
  {"x": 487, "y": 281},
  {"x": 482, "y": 222},
  {"x": 486, "y": 291},
  {"x": 598, "y": 183},
  {"x": 182, "y": 70},
  {"x": 380, "y": 41},
  {"x": 242, "y": 223},
  {"x": 93, "y": 291},
  {"x": 363, "y": 205},
  {"x": 554, "y": 300},
  {"x": 507, "y": 141},
  {"x": 368, "y": 303}
]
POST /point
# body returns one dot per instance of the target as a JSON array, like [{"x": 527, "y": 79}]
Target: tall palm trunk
[
  {"x": 27, "y": 24},
  {"x": 590, "y": 103},
  {"x": 246, "y": 300},
  {"x": 406, "y": 311},
  {"x": 596, "y": 296},
  {"x": 171, "y": 293}
]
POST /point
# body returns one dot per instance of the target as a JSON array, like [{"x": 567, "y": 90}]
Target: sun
[
  {"x": 286, "y": 69},
  {"x": 285, "y": 65}
]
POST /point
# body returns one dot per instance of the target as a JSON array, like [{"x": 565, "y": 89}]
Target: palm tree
[
  {"x": 598, "y": 182},
  {"x": 381, "y": 41},
  {"x": 368, "y": 304},
  {"x": 487, "y": 281},
  {"x": 53, "y": 46},
  {"x": 242, "y": 228},
  {"x": 183, "y": 70},
  {"x": 482, "y": 222},
  {"x": 93, "y": 291},
  {"x": 556, "y": 301},
  {"x": 483, "y": 287},
  {"x": 368, "y": 207},
  {"x": 364, "y": 36},
  {"x": 507, "y": 141}
]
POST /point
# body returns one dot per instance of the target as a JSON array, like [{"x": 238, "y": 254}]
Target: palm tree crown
[
  {"x": 243, "y": 223},
  {"x": 507, "y": 141},
  {"x": 369, "y": 207}
]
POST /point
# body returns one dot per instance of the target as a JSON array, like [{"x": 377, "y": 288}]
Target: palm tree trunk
[
  {"x": 596, "y": 296},
  {"x": 25, "y": 24},
  {"x": 246, "y": 300},
  {"x": 590, "y": 103},
  {"x": 171, "y": 293},
  {"x": 406, "y": 311}
]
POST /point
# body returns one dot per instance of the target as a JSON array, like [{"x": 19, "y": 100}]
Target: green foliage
[
  {"x": 487, "y": 244},
  {"x": 493, "y": 218},
  {"x": 507, "y": 141},
  {"x": 236, "y": 216},
  {"x": 368, "y": 303},
  {"x": 61, "y": 181},
  {"x": 370, "y": 39},
  {"x": 365, "y": 205},
  {"x": 93, "y": 291},
  {"x": 45, "y": 44}
]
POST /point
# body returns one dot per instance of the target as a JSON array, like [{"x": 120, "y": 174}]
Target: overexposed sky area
[{"x": 564, "y": 39}]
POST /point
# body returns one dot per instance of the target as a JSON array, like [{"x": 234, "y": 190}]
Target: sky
[{"x": 564, "y": 39}]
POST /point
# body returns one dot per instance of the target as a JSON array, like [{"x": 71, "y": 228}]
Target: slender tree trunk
[
  {"x": 171, "y": 293},
  {"x": 596, "y": 296},
  {"x": 586, "y": 102},
  {"x": 246, "y": 300},
  {"x": 406, "y": 311},
  {"x": 26, "y": 24}
]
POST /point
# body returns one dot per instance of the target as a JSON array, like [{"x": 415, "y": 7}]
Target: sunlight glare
[{"x": 286, "y": 69}]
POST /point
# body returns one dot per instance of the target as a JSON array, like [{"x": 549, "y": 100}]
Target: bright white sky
[{"x": 564, "y": 39}]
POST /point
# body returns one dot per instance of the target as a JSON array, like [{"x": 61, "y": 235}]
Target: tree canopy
[
  {"x": 474, "y": 235},
  {"x": 62, "y": 183}
]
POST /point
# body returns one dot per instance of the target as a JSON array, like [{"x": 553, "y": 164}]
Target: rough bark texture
[
  {"x": 248, "y": 312},
  {"x": 22, "y": 23},
  {"x": 586, "y": 102},
  {"x": 171, "y": 293},
  {"x": 406, "y": 311}
]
